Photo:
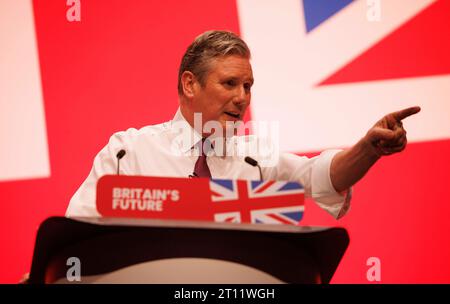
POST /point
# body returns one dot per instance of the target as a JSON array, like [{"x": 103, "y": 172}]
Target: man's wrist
[{"x": 368, "y": 150}]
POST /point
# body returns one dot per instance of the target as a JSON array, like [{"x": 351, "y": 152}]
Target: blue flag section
[{"x": 317, "y": 11}]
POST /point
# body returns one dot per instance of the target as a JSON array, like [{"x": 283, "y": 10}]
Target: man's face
[{"x": 225, "y": 94}]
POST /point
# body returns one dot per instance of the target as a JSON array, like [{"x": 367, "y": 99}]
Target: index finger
[{"x": 402, "y": 114}]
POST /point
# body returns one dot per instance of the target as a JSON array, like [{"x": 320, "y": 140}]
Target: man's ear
[{"x": 188, "y": 82}]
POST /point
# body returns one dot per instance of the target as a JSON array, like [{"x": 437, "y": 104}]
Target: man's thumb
[{"x": 378, "y": 133}]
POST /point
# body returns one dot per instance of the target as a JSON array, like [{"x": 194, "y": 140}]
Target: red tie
[{"x": 201, "y": 168}]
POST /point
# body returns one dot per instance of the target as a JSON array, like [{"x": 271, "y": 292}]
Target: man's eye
[{"x": 231, "y": 83}]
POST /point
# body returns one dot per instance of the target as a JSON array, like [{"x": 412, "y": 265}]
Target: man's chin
[
  {"x": 232, "y": 126},
  {"x": 225, "y": 129}
]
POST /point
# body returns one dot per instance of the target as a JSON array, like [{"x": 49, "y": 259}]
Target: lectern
[{"x": 120, "y": 250}]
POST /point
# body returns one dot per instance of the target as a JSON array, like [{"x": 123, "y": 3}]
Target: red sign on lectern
[{"x": 219, "y": 200}]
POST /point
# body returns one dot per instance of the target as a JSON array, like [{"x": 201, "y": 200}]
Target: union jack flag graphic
[
  {"x": 258, "y": 202},
  {"x": 336, "y": 57}
]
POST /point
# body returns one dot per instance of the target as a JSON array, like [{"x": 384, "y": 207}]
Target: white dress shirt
[{"x": 160, "y": 150}]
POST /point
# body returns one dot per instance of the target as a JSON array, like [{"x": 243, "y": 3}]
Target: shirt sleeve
[
  {"x": 323, "y": 192},
  {"x": 314, "y": 174},
  {"x": 82, "y": 204}
]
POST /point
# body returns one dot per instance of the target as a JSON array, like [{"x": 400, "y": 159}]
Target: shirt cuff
[{"x": 322, "y": 190}]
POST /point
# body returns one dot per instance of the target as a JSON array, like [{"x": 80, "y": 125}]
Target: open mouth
[{"x": 234, "y": 115}]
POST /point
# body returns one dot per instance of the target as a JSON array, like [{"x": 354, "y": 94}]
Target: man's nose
[{"x": 242, "y": 96}]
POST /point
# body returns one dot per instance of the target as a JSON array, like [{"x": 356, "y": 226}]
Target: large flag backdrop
[{"x": 322, "y": 69}]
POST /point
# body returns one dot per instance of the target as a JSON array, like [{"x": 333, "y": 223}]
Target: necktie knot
[
  {"x": 201, "y": 168},
  {"x": 205, "y": 147}
]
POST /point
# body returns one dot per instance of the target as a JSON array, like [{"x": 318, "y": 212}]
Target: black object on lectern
[{"x": 156, "y": 251}]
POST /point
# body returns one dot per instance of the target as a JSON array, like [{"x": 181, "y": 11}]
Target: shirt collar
[{"x": 187, "y": 136}]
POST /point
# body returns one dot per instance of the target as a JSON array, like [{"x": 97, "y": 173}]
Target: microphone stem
[{"x": 119, "y": 157}]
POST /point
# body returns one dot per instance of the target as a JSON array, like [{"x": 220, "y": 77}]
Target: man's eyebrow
[
  {"x": 229, "y": 77},
  {"x": 250, "y": 80}
]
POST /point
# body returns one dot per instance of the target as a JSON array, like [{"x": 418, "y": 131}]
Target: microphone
[
  {"x": 119, "y": 155},
  {"x": 193, "y": 175},
  {"x": 254, "y": 163}
]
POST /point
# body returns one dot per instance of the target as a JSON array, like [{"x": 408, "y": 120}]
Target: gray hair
[{"x": 207, "y": 46}]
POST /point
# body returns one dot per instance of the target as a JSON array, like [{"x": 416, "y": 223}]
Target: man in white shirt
[{"x": 214, "y": 82}]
